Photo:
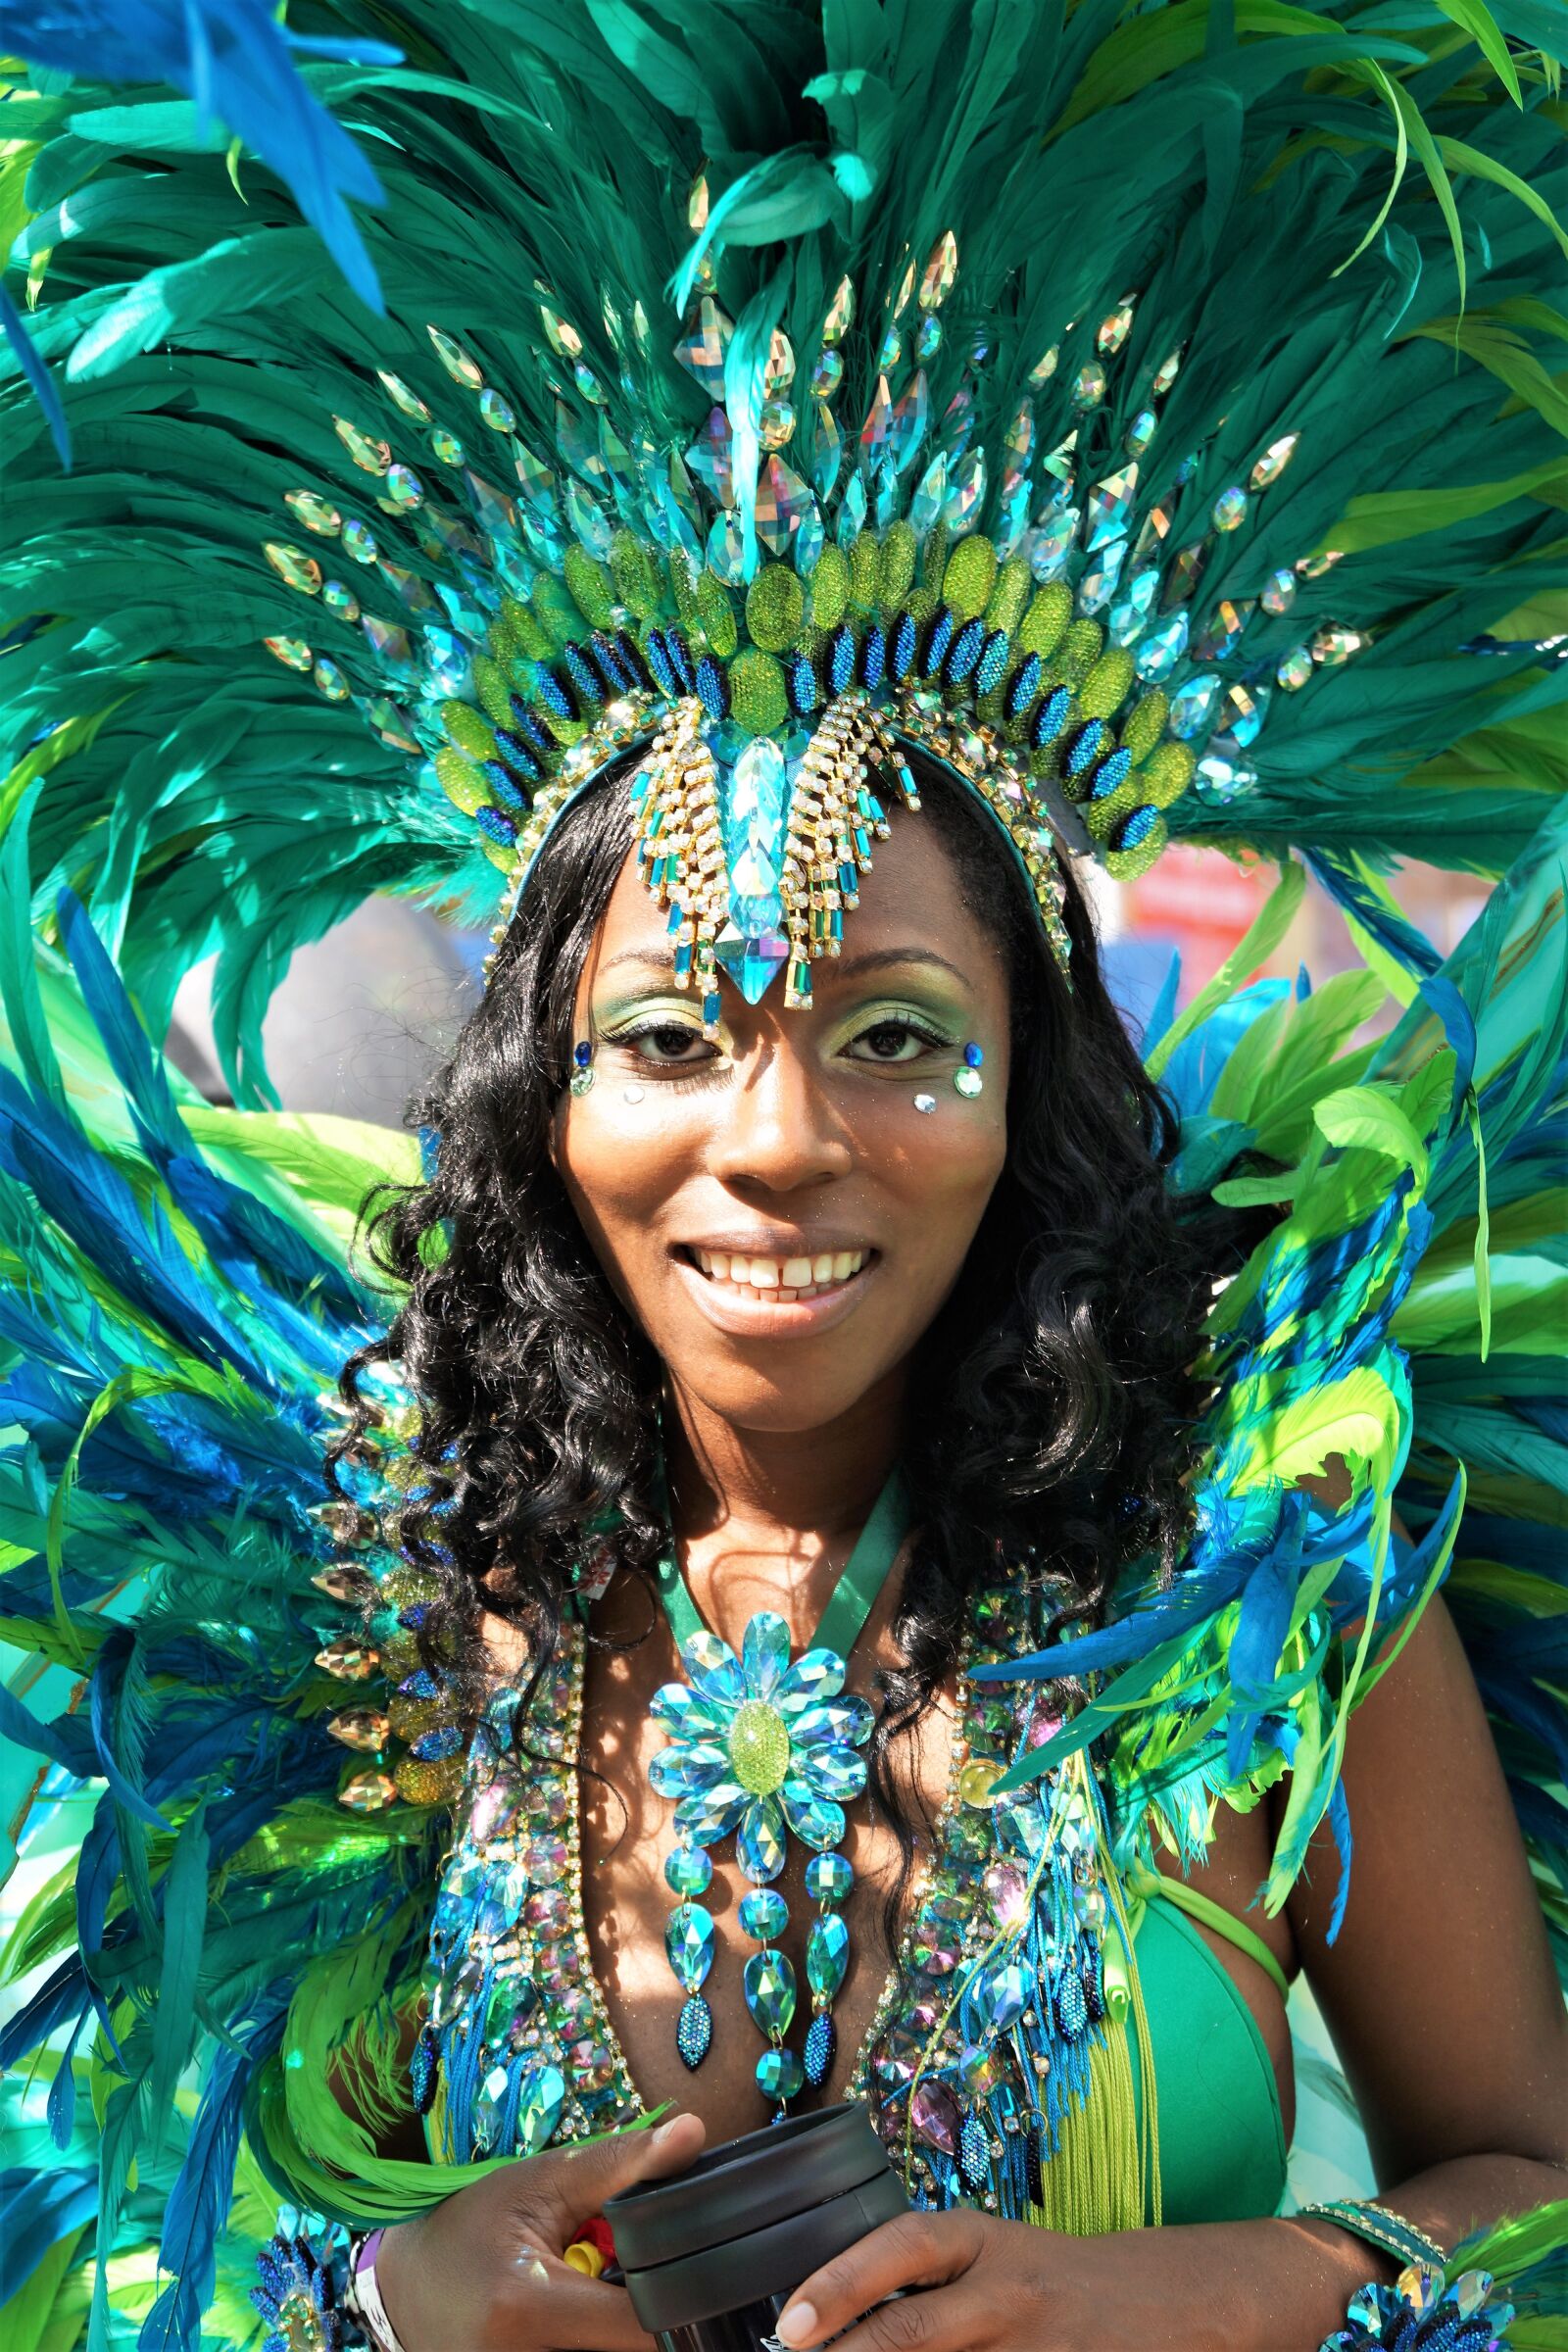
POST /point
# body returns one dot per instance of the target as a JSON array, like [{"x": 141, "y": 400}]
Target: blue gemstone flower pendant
[{"x": 760, "y": 1749}]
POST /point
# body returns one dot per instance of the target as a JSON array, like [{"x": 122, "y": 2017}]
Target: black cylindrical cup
[{"x": 711, "y": 2257}]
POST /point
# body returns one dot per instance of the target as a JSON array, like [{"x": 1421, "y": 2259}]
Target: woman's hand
[
  {"x": 983, "y": 2285},
  {"x": 483, "y": 2271}
]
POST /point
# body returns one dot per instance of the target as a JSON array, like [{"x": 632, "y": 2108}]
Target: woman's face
[{"x": 777, "y": 1210}]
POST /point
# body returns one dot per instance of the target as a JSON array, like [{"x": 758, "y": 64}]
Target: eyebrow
[{"x": 848, "y": 967}]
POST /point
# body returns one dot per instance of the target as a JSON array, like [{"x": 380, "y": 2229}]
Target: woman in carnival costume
[{"x": 875, "y": 1544}]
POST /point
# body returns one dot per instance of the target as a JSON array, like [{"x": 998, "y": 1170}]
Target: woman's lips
[{"x": 823, "y": 1288}]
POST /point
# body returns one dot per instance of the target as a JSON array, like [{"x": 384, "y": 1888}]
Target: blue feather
[
  {"x": 37, "y": 2209},
  {"x": 15, "y": 330},
  {"x": 232, "y": 58}
]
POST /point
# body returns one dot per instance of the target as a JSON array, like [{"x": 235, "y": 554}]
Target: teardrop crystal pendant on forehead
[{"x": 762, "y": 1748}]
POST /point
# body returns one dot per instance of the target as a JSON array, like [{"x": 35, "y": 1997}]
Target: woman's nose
[{"x": 780, "y": 1131}]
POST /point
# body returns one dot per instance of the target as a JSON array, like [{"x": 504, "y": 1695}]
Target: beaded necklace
[{"x": 762, "y": 1747}]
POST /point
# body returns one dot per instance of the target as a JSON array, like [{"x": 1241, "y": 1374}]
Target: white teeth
[{"x": 791, "y": 1277}]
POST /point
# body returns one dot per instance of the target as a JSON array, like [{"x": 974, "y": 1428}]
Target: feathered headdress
[{"x": 1113, "y": 404}]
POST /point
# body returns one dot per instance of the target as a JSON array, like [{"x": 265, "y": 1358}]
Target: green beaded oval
[{"x": 760, "y": 1748}]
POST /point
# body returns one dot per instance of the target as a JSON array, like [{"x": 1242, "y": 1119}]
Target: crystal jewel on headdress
[
  {"x": 751, "y": 946},
  {"x": 702, "y": 349}
]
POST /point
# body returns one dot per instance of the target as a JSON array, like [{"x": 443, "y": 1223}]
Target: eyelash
[{"x": 688, "y": 1072}]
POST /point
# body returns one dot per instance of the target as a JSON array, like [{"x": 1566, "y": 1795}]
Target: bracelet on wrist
[
  {"x": 301, "y": 2290},
  {"x": 365, "y": 2293},
  {"x": 1376, "y": 2226}
]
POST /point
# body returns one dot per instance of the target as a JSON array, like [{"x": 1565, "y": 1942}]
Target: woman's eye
[
  {"x": 892, "y": 1041},
  {"x": 668, "y": 1042}
]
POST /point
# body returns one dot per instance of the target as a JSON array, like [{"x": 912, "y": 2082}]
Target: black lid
[
  {"x": 752, "y": 2217},
  {"x": 745, "y": 2184}
]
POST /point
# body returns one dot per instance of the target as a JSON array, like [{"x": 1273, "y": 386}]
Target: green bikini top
[{"x": 1222, "y": 2148}]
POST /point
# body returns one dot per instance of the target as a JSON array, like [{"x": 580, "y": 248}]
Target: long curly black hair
[{"x": 1053, "y": 1410}]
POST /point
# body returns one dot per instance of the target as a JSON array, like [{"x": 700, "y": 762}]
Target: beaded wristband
[
  {"x": 1424, "y": 2313},
  {"x": 1376, "y": 2226},
  {"x": 364, "y": 2295}
]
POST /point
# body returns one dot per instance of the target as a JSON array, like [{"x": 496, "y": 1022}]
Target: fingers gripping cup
[{"x": 711, "y": 2257}]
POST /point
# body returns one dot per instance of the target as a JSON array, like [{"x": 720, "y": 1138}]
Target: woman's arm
[
  {"x": 1440, "y": 1989},
  {"x": 1441, "y": 1998}
]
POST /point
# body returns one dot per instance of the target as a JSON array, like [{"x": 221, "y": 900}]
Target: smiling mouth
[{"x": 779, "y": 1281}]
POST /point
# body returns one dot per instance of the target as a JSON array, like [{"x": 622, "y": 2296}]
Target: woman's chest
[{"x": 630, "y": 1832}]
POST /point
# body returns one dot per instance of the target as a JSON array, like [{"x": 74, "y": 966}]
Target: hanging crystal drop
[
  {"x": 1230, "y": 508},
  {"x": 1101, "y": 577},
  {"x": 760, "y": 1843},
  {"x": 828, "y": 1878},
  {"x": 315, "y": 513},
  {"x": 689, "y": 1942},
  {"x": 1296, "y": 668},
  {"x": 783, "y": 502},
  {"x": 1107, "y": 506},
  {"x": 828, "y": 1955},
  {"x": 708, "y": 459},
  {"x": 768, "y": 1986},
  {"x": 702, "y": 349},
  {"x": 966, "y": 492},
  {"x": 841, "y": 314},
  {"x": 1003, "y": 1997},
  {"x": 934, "y": 2113}
]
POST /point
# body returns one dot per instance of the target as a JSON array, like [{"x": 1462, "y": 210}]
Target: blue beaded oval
[
  {"x": 964, "y": 653},
  {"x": 1111, "y": 774},
  {"x": 680, "y": 660},
  {"x": 518, "y": 754},
  {"x": 712, "y": 687},
  {"x": 902, "y": 649},
  {"x": 1083, "y": 745},
  {"x": 503, "y": 786},
  {"x": 1051, "y": 717},
  {"x": 841, "y": 651},
  {"x": 496, "y": 824},
  {"x": 804, "y": 687},
  {"x": 1135, "y": 829},
  {"x": 1021, "y": 690},
  {"x": 992, "y": 663},
  {"x": 658, "y": 661},
  {"x": 554, "y": 692},
  {"x": 821, "y": 2048},
  {"x": 694, "y": 2032},
  {"x": 584, "y": 677},
  {"x": 938, "y": 639},
  {"x": 873, "y": 657},
  {"x": 527, "y": 723}
]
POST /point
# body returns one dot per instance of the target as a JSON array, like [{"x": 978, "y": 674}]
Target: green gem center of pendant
[{"x": 760, "y": 1748}]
